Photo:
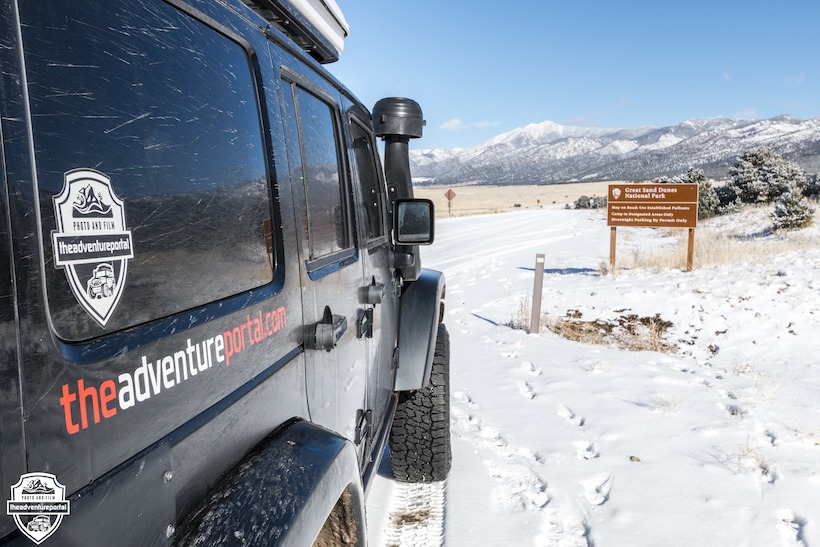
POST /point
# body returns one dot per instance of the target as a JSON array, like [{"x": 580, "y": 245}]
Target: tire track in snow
[{"x": 416, "y": 515}]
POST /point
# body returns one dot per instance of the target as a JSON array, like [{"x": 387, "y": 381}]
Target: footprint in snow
[
  {"x": 728, "y": 394},
  {"x": 510, "y": 355},
  {"x": 530, "y": 369},
  {"x": 586, "y": 451},
  {"x": 569, "y": 416},
  {"x": 564, "y": 526},
  {"x": 464, "y": 397},
  {"x": 733, "y": 410},
  {"x": 525, "y": 389},
  {"x": 596, "y": 489},
  {"x": 492, "y": 437},
  {"x": 517, "y": 488},
  {"x": 489, "y": 340},
  {"x": 791, "y": 527},
  {"x": 462, "y": 327}
]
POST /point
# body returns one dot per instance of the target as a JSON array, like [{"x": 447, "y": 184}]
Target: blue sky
[{"x": 481, "y": 68}]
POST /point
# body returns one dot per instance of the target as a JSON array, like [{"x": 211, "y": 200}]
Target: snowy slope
[
  {"x": 549, "y": 152},
  {"x": 563, "y": 443}
]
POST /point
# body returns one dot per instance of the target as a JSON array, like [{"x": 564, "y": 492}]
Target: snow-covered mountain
[{"x": 548, "y": 152}]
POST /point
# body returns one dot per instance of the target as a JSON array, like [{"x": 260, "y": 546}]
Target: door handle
[
  {"x": 375, "y": 293},
  {"x": 372, "y": 294},
  {"x": 327, "y": 332}
]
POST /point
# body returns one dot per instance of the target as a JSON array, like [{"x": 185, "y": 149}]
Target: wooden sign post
[{"x": 668, "y": 205}]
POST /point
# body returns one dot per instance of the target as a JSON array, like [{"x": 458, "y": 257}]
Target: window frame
[
  {"x": 323, "y": 265},
  {"x": 383, "y": 238}
]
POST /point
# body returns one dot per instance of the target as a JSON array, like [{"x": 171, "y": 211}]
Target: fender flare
[
  {"x": 418, "y": 325},
  {"x": 282, "y": 492}
]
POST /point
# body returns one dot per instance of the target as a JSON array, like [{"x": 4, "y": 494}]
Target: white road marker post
[{"x": 538, "y": 285}]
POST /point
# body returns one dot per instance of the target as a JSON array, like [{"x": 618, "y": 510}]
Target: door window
[{"x": 329, "y": 223}]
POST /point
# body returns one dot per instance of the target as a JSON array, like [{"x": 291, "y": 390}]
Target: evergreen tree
[
  {"x": 792, "y": 210},
  {"x": 760, "y": 175},
  {"x": 708, "y": 201}
]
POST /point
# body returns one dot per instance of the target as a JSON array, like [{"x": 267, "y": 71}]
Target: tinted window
[
  {"x": 165, "y": 108},
  {"x": 328, "y": 218},
  {"x": 369, "y": 185}
]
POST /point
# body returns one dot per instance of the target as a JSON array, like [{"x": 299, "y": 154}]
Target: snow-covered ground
[{"x": 562, "y": 443}]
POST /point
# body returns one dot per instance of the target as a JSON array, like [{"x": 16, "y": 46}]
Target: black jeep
[{"x": 261, "y": 325}]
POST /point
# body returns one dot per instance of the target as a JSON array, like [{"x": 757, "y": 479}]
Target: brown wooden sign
[
  {"x": 668, "y": 205},
  {"x": 653, "y": 205}
]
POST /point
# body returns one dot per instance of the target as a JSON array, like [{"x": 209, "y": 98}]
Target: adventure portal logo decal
[
  {"x": 91, "y": 242},
  {"x": 38, "y": 505}
]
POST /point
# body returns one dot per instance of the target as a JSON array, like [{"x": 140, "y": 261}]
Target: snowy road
[{"x": 568, "y": 444}]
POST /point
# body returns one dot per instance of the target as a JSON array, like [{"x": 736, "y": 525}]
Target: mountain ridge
[{"x": 547, "y": 152}]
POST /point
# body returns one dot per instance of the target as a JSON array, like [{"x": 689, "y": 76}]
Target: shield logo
[
  {"x": 92, "y": 243},
  {"x": 38, "y": 505},
  {"x": 616, "y": 193}
]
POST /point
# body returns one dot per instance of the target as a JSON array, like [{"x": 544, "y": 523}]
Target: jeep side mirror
[{"x": 413, "y": 222}]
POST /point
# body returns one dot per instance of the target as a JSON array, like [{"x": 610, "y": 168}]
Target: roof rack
[{"x": 317, "y": 26}]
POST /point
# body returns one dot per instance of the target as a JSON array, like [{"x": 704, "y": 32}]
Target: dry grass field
[{"x": 478, "y": 200}]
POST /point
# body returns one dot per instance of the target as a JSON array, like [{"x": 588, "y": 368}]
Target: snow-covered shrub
[
  {"x": 760, "y": 175},
  {"x": 792, "y": 211},
  {"x": 728, "y": 200},
  {"x": 587, "y": 202},
  {"x": 708, "y": 202},
  {"x": 812, "y": 187}
]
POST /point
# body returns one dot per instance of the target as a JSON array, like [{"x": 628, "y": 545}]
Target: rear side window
[
  {"x": 364, "y": 155},
  {"x": 329, "y": 222},
  {"x": 162, "y": 110}
]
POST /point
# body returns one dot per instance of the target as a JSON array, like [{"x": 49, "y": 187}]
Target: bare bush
[{"x": 629, "y": 332}]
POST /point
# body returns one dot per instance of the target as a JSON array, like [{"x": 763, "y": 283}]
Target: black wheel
[{"x": 420, "y": 436}]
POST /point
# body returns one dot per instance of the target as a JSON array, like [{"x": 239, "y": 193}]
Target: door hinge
[
  {"x": 364, "y": 326},
  {"x": 364, "y": 426},
  {"x": 394, "y": 362}
]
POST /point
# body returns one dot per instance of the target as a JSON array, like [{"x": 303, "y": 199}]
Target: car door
[
  {"x": 379, "y": 314},
  {"x": 12, "y": 453},
  {"x": 330, "y": 265}
]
